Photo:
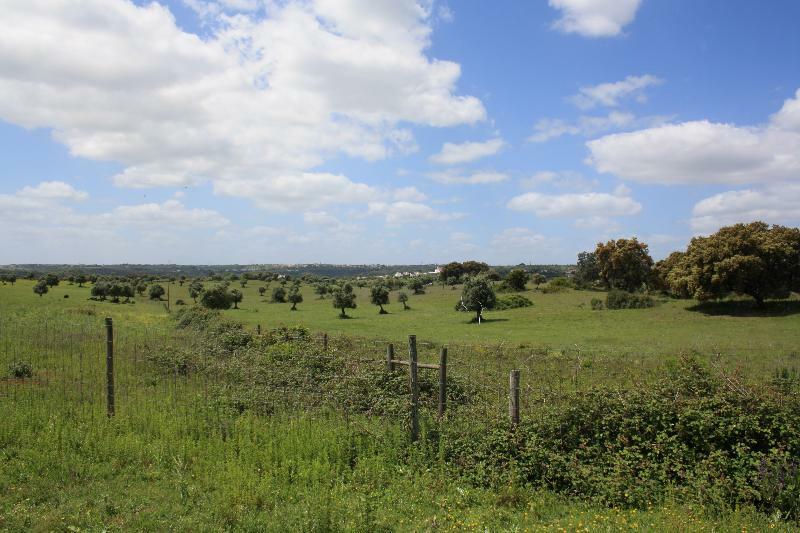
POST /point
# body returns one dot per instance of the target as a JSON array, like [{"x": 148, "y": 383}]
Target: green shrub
[
  {"x": 514, "y": 301},
  {"x": 691, "y": 435},
  {"x": 20, "y": 369},
  {"x": 628, "y": 300},
  {"x": 597, "y": 304},
  {"x": 558, "y": 284}
]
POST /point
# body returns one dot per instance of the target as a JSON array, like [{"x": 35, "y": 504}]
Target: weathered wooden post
[
  {"x": 109, "y": 367},
  {"x": 390, "y": 357},
  {"x": 513, "y": 398},
  {"x": 414, "y": 383},
  {"x": 325, "y": 342},
  {"x": 442, "y": 382},
  {"x": 258, "y": 329}
]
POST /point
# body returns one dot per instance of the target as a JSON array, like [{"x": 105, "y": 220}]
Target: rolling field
[{"x": 557, "y": 321}]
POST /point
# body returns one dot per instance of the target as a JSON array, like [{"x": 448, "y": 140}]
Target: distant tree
[
  {"x": 51, "y": 280},
  {"x": 181, "y": 280},
  {"x": 477, "y": 296},
  {"x": 403, "y": 299},
  {"x": 243, "y": 283},
  {"x": 100, "y": 290},
  {"x": 752, "y": 259},
  {"x": 156, "y": 292},
  {"x": 450, "y": 271},
  {"x": 379, "y": 295},
  {"x": 492, "y": 275},
  {"x": 624, "y": 264},
  {"x": 588, "y": 269},
  {"x": 140, "y": 288},
  {"x": 474, "y": 268},
  {"x": 195, "y": 289},
  {"x": 659, "y": 278},
  {"x": 12, "y": 279},
  {"x": 516, "y": 279},
  {"x": 537, "y": 279},
  {"x": 321, "y": 289},
  {"x": 344, "y": 298},
  {"x": 217, "y": 297},
  {"x": 295, "y": 297},
  {"x": 417, "y": 286},
  {"x": 115, "y": 292},
  {"x": 80, "y": 279},
  {"x": 236, "y": 297},
  {"x": 262, "y": 291},
  {"x": 41, "y": 287},
  {"x": 127, "y": 292},
  {"x": 278, "y": 295}
]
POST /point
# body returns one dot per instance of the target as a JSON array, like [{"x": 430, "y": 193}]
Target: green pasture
[{"x": 557, "y": 321}]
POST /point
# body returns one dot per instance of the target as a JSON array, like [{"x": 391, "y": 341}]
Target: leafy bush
[
  {"x": 20, "y": 369},
  {"x": 512, "y": 302},
  {"x": 559, "y": 284},
  {"x": 628, "y": 300},
  {"x": 597, "y": 304},
  {"x": 692, "y": 435}
]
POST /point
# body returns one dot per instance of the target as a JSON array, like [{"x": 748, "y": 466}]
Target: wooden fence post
[
  {"x": 258, "y": 329},
  {"x": 442, "y": 382},
  {"x": 414, "y": 383},
  {"x": 109, "y": 367},
  {"x": 325, "y": 342},
  {"x": 513, "y": 398},
  {"x": 390, "y": 357}
]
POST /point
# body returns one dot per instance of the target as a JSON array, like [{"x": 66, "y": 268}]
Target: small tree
[
  {"x": 344, "y": 298},
  {"x": 41, "y": 287},
  {"x": 321, "y": 289},
  {"x": 236, "y": 297},
  {"x": 278, "y": 295},
  {"x": 243, "y": 283},
  {"x": 417, "y": 286},
  {"x": 156, "y": 292},
  {"x": 537, "y": 279},
  {"x": 262, "y": 291},
  {"x": 588, "y": 269},
  {"x": 624, "y": 264},
  {"x": 80, "y": 279},
  {"x": 379, "y": 295},
  {"x": 476, "y": 296},
  {"x": 195, "y": 290},
  {"x": 140, "y": 288},
  {"x": 51, "y": 280},
  {"x": 403, "y": 299},
  {"x": 217, "y": 298},
  {"x": 295, "y": 297},
  {"x": 516, "y": 279}
]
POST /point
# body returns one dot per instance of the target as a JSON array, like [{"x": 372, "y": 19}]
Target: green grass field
[
  {"x": 558, "y": 320},
  {"x": 165, "y": 462}
]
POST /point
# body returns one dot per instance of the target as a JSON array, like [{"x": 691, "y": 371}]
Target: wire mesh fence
[{"x": 204, "y": 381}]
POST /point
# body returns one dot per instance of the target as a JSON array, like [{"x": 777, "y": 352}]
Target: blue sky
[{"x": 396, "y": 131}]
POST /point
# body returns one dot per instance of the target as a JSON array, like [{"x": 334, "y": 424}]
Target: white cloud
[
  {"x": 53, "y": 190},
  {"x": 776, "y": 204},
  {"x": 253, "y": 107},
  {"x": 329, "y": 223},
  {"x": 400, "y": 213},
  {"x": 409, "y": 194},
  {"x": 456, "y": 177},
  {"x": 594, "y": 18},
  {"x": 610, "y": 94},
  {"x": 455, "y": 154},
  {"x": 705, "y": 152},
  {"x": 565, "y": 180},
  {"x": 515, "y": 239},
  {"x": 171, "y": 214},
  {"x": 551, "y": 128},
  {"x": 575, "y": 205}
]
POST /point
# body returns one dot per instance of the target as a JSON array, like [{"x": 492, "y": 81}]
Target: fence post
[
  {"x": 109, "y": 367},
  {"x": 442, "y": 382},
  {"x": 390, "y": 357},
  {"x": 414, "y": 383},
  {"x": 324, "y": 342},
  {"x": 258, "y": 329},
  {"x": 513, "y": 398}
]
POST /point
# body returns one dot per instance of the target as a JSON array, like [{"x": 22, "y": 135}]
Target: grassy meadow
[{"x": 173, "y": 459}]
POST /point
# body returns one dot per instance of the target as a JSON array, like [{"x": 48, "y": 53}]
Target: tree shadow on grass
[
  {"x": 487, "y": 320},
  {"x": 747, "y": 308}
]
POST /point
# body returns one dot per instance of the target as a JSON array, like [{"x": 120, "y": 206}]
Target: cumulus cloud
[
  {"x": 401, "y": 213},
  {"x": 565, "y": 180},
  {"x": 457, "y": 177},
  {"x": 253, "y": 107},
  {"x": 594, "y": 18},
  {"x": 171, "y": 214},
  {"x": 776, "y": 204},
  {"x": 610, "y": 94},
  {"x": 705, "y": 152},
  {"x": 588, "y": 125},
  {"x": 53, "y": 190},
  {"x": 455, "y": 154},
  {"x": 409, "y": 194},
  {"x": 576, "y": 204}
]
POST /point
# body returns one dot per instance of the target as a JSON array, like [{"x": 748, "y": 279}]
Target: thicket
[
  {"x": 514, "y": 301},
  {"x": 616, "y": 299}
]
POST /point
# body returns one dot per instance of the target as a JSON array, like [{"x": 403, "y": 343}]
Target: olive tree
[
  {"x": 379, "y": 295},
  {"x": 236, "y": 297},
  {"x": 403, "y": 299},
  {"x": 278, "y": 295},
  {"x": 295, "y": 297},
  {"x": 41, "y": 288},
  {"x": 477, "y": 296},
  {"x": 516, "y": 279},
  {"x": 156, "y": 292},
  {"x": 344, "y": 298},
  {"x": 217, "y": 298},
  {"x": 195, "y": 289}
]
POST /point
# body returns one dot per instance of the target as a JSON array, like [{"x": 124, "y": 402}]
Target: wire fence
[{"x": 61, "y": 365}]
